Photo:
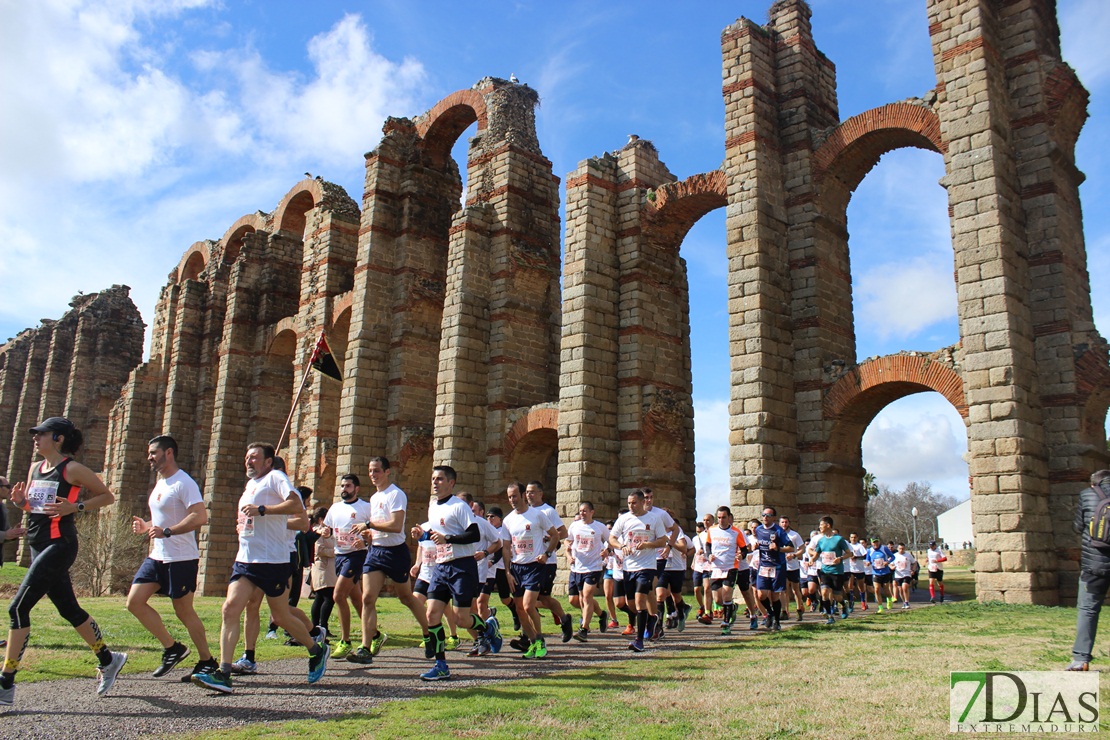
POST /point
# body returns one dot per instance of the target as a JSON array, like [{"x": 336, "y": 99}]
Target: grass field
[{"x": 883, "y": 676}]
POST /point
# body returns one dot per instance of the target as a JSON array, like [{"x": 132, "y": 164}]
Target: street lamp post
[{"x": 913, "y": 512}]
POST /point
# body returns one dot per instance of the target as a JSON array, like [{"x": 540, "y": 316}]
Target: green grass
[{"x": 718, "y": 691}]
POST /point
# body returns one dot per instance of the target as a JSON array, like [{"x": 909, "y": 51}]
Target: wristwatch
[
  {"x": 166, "y": 532},
  {"x": 81, "y": 507},
  {"x": 262, "y": 510}
]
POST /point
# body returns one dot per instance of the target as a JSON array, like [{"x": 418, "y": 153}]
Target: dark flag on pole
[{"x": 324, "y": 361}]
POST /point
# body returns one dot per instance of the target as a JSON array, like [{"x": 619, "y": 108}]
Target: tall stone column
[
  {"x": 763, "y": 434},
  {"x": 1008, "y": 457}
]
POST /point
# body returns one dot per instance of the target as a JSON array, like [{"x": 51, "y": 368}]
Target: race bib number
[
  {"x": 427, "y": 555},
  {"x": 718, "y": 573},
  {"x": 445, "y": 553},
  {"x": 879, "y": 563},
  {"x": 42, "y": 493},
  {"x": 584, "y": 542},
  {"x": 933, "y": 567},
  {"x": 768, "y": 571},
  {"x": 246, "y": 525},
  {"x": 524, "y": 546},
  {"x": 828, "y": 558},
  {"x": 638, "y": 537},
  {"x": 349, "y": 540}
]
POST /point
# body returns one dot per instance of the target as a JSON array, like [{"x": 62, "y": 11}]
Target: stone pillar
[
  {"x": 13, "y": 364},
  {"x": 184, "y": 370},
  {"x": 589, "y": 442},
  {"x": 763, "y": 434},
  {"x": 1008, "y": 457}
]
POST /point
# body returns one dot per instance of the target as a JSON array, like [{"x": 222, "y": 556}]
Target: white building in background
[{"x": 954, "y": 526}]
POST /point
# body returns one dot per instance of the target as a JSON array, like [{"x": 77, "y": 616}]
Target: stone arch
[
  {"x": 232, "y": 240},
  {"x": 273, "y": 383},
  {"x": 193, "y": 262},
  {"x": 677, "y": 206},
  {"x": 441, "y": 126},
  {"x": 531, "y": 448},
  {"x": 289, "y": 216},
  {"x": 851, "y": 404},
  {"x": 854, "y": 147}
]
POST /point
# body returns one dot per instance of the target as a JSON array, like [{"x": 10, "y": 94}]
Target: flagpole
[
  {"x": 293, "y": 408},
  {"x": 300, "y": 390}
]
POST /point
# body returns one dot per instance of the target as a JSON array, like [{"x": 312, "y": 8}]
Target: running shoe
[
  {"x": 844, "y": 614},
  {"x": 801, "y": 614},
  {"x": 754, "y": 625},
  {"x": 726, "y": 629},
  {"x": 654, "y": 627},
  {"x": 879, "y": 610},
  {"x": 377, "y": 642},
  {"x": 581, "y": 635},
  {"x": 541, "y": 649},
  {"x": 244, "y": 665},
  {"x": 777, "y": 626},
  {"x": 342, "y": 648},
  {"x": 318, "y": 663},
  {"x": 614, "y": 624},
  {"x": 516, "y": 622},
  {"x": 628, "y": 631},
  {"x": 452, "y": 643},
  {"x": 493, "y": 632},
  {"x": 272, "y": 635},
  {"x": 905, "y": 605},
  {"x": 481, "y": 647},
  {"x": 863, "y": 606},
  {"x": 171, "y": 656},
  {"x": 1075, "y": 665},
  {"x": 767, "y": 622},
  {"x": 215, "y": 681},
  {"x": 603, "y": 623},
  {"x": 705, "y": 619},
  {"x": 830, "y": 620},
  {"x": 7, "y": 696},
  {"x": 636, "y": 646},
  {"x": 530, "y": 653},
  {"x": 321, "y": 635},
  {"x": 438, "y": 672},
  {"x": 362, "y": 656},
  {"x": 683, "y": 615},
  {"x": 204, "y": 666},
  {"x": 521, "y": 643},
  {"x": 106, "y": 675},
  {"x": 568, "y": 627}
]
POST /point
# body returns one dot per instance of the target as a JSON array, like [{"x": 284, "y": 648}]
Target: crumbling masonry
[{"x": 458, "y": 348}]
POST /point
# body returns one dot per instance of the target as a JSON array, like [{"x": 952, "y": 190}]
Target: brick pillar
[
  {"x": 465, "y": 351},
  {"x": 184, "y": 369},
  {"x": 1008, "y": 458},
  {"x": 13, "y": 364},
  {"x": 55, "y": 379},
  {"x": 131, "y": 423},
  {"x": 589, "y": 443},
  {"x": 762, "y": 437}
]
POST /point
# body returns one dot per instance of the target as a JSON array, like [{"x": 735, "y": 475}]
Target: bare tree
[{"x": 890, "y": 512}]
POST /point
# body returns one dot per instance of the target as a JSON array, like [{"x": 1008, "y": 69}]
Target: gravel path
[{"x": 140, "y": 706}]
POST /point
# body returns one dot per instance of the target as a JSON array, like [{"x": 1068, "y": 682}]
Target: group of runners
[{"x": 633, "y": 566}]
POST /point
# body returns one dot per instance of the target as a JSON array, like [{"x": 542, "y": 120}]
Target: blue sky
[{"x": 135, "y": 128}]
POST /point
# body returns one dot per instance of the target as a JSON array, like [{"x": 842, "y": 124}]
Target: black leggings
[
  {"x": 322, "y": 602},
  {"x": 48, "y": 576}
]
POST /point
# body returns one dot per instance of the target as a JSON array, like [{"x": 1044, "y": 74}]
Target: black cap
[{"x": 55, "y": 424}]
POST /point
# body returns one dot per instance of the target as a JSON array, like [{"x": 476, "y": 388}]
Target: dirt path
[{"x": 140, "y": 705}]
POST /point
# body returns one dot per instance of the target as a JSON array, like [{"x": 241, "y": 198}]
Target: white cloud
[
  {"x": 120, "y": 146},
  {"x": 919, "y": 438},
  {"x": 711, "y": 453},
  {"x": 1083, "y": 28},
  {"x": 899, "y": 299}
]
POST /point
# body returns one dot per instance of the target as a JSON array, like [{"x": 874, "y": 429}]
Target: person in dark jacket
[{"x": 1094, "y": 573}]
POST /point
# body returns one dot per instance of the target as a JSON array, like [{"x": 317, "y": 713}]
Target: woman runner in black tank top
[{"x": 50, "y": 496}]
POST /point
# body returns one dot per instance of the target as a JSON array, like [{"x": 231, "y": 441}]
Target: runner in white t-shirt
[
  {"x": 488, "y": 547},
  {"x": 176, "y": 513},
  {"x": 530, "y": 541},
  {"x": 534, "y": 492},
  {"x": 639, "y": 533},
  {"x": 587, "y": 544},
  {"x": 701, "y": 569},
  {"x": 347, "y": 519},
  {"x": 902, "y": 562},
  {"x": 793, "y": 569},
  {"x": 934, "y": 557},
  {"x": 262, "y": 563},
  {"x": 388, "y": 557}
]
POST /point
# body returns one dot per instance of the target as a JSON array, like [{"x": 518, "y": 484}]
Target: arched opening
[
  {"x": 686, "y": 405},
  {"x": 194, "y": 266},
  {"x": 293, "y": 215},
  {"x": 534, "y": 457},
  {"x": 854, "y": 402},
  {"x": 273, "y": 388}
]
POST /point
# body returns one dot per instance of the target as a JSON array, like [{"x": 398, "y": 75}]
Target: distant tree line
[{"x": 889, "y": 512}]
